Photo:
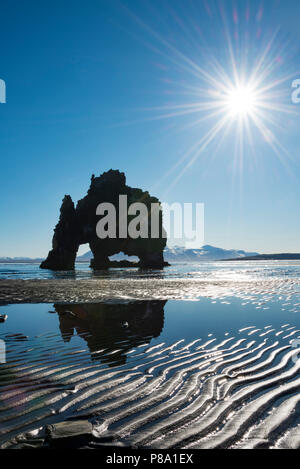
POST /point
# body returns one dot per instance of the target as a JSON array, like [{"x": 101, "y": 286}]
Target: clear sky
[{"x": 100, "y": 84}]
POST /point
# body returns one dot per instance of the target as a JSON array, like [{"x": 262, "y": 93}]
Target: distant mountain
[
  {"x": 270, "y": 257},
  {"x": 85, "y": 257},
  {"x": 181, "y": 254},
  {"x": 172, "y": 255},
  {"x": 206, "y": 253},
  {"x": 117, "y": 257},
  {"x": 14, "y": 260}
]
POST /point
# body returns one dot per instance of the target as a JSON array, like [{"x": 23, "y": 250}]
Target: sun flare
[
  {"x": 241, "y": 101},
  {"x": 237, "y": 92}
]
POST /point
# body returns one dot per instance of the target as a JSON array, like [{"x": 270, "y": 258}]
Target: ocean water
[
  {"x": 217, "y": 368},
  {"x": 206, "y": 270}
]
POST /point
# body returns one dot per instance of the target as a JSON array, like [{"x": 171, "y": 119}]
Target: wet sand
[
  {"x": 219, "y": 370},
  {"x": 241, "y": 391},
  {"x": 93, "y": 290}
]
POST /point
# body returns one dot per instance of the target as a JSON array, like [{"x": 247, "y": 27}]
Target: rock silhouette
[{"x": 77, "y": 225}]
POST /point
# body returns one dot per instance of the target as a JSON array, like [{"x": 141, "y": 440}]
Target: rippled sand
[{"x": 238, "y": 392}]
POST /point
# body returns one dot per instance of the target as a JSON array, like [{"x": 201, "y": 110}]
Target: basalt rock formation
[{"x": 77, "y": 225}]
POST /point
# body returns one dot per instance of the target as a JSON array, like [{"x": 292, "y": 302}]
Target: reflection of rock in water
[{"x": 111, "y": 328}]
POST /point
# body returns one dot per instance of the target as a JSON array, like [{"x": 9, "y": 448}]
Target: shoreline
[{"x": 99, "y": 290}]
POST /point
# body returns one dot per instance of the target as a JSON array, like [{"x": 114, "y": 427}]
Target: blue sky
[{"x": 86, "y": 82}]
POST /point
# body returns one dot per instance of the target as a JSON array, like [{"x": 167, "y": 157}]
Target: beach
[{"x": 195, "y": 356}]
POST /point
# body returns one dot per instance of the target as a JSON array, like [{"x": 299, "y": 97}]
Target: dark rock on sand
[
  {"x": 69, "y": 434},
  {"x": 79, "y": 434}
]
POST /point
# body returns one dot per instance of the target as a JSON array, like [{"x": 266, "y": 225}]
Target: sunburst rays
[{"x": 243, "y": 93}]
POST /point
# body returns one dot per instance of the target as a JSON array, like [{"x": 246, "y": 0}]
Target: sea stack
[{"x": 77, "y": 225}]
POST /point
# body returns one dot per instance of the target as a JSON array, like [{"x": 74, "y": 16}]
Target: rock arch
[{"x": 77, "y": 225}]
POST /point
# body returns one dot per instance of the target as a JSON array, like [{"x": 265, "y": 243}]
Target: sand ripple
[{"x": 239, "y": 392}]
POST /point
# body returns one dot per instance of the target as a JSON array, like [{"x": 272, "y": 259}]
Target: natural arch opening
[
  {"x": 84, "y": 253},
  {"x": 123, "y": 260}
]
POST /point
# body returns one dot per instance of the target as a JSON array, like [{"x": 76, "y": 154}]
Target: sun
[
  {"x": 235, "y": 93},
  {"x": 241, "y": 101}
]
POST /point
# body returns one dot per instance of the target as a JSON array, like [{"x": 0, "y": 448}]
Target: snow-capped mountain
[
  {"x": 171, "y": 254},
  {"x": 206, "y": 253},
  {"x": 181, "y": 254}
]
